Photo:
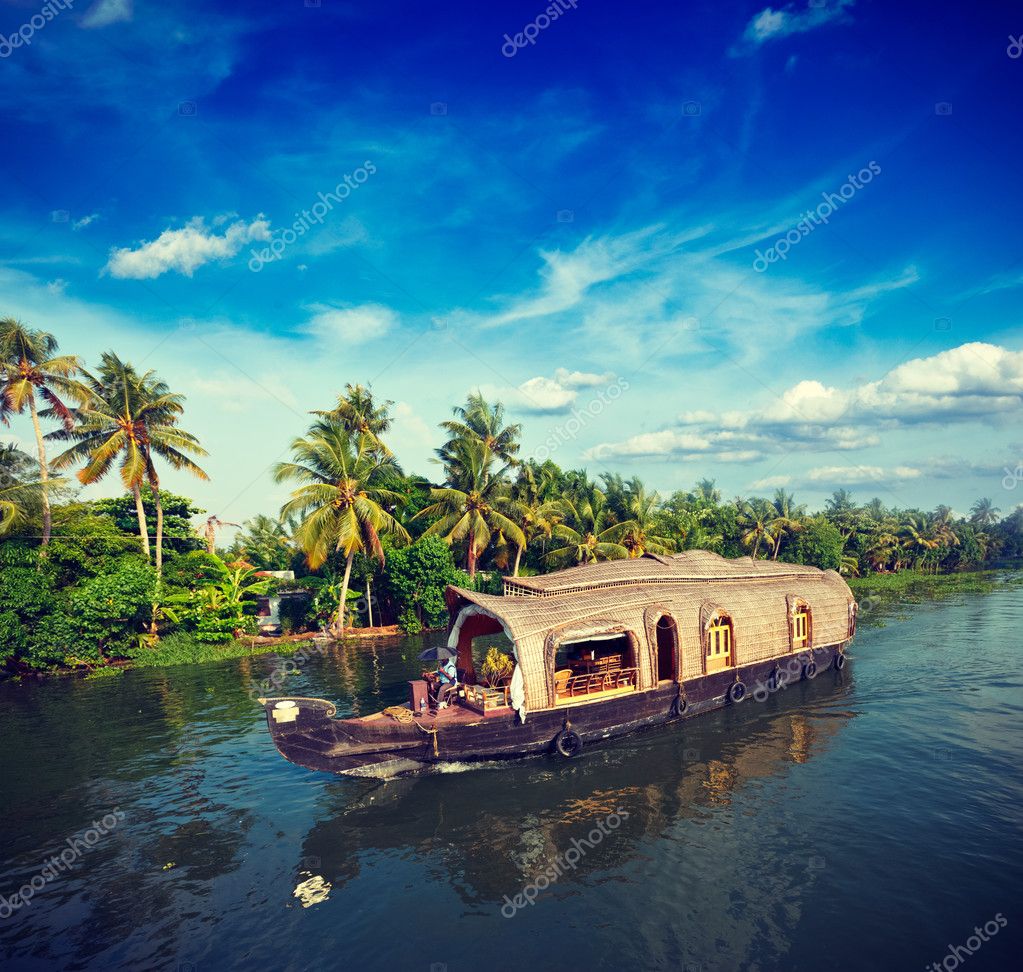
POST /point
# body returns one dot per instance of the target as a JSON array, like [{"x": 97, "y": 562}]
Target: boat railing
[
  {"x": 482, "y": 698},
  {"x": 597, "y": 682}
]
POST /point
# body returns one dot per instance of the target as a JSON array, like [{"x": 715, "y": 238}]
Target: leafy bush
[
  {"x": 13, "y": 636},
  {"x": 295, "y": 612},
  {"x": 192, "y": 570},
  {"x": 178, "y": 535},
  {"x": 415, "y": 577},
  {"x": 819, "y": 544},
  {"x": 112, "y": 608},
  {"x": 409, "y": 622},
  {"x": 57, "y": 640}
]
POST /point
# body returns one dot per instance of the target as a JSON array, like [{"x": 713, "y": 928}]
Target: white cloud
[
  {"x": 973, "y": 382},
  {"x": 771, "y": 482},
  {"x": 106, "y": 12},
  {"x": 80, "y": 224},
  {"x": 549, "y": 396},
  {"x": 770, "y": 24},
  {"x": 860, "y": 475},
  {"x": 57, "y": 287},
  {"x": 185, "y": 249},
  {"x": 353, "y": 325}
]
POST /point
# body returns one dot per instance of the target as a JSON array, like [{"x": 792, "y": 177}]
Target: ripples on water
[{"x": 865, "y": 820}]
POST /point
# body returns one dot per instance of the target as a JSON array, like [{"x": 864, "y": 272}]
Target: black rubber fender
[{"x": 568, "y": 743}]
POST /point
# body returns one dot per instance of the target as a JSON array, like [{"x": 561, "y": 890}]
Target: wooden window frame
[{"x": 722, "y": 625}]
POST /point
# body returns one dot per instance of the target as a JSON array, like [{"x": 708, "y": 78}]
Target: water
[{"x": 867, "y": 820}]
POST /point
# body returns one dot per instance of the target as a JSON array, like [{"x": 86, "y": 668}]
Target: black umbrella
[{"x": 437, "y": 653}]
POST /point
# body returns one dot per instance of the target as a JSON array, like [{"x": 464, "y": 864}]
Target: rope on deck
[
  {"x": 400, "y": 713},
  {"x": 405, "y": 716}
]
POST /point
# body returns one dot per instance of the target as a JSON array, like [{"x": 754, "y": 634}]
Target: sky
[{"x": 766, "y": 245}]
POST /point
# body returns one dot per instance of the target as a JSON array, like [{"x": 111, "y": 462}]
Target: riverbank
[
  {"x": 912, "y": 582},
  {"x": 180, "y": 648}
]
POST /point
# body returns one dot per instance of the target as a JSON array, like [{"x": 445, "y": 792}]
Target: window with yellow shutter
[
  {"x": 801, "y": 629},
  {"x": 719, "y": 645}
]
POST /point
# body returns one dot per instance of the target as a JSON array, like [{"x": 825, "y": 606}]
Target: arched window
[
  {"x": 719, "y": 645},
  {"x": 800, "y": 623}
]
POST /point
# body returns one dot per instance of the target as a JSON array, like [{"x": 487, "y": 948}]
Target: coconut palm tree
[
  {"x": 883, "y": 550},
  {"x": 266, "y": 542},
  {"x": 358, "y": 413},
  {"x": 984, "y": 513},
  {"x": 917, "y": 538},
  {"x": 535, "y": 516},
  {"x": 588, "y": 533},
  {"x": 341, "y": 501},
  {"x": 30, "y": 366},
  {"x": 478, "y": 421},
  {"x": 472, "y": 509},
  {"x": 787, "y": 520},
  {"x": 706, "y": 493},
  {"x": 17, "y": 500},
  {"x": 133, "y": 418},
  {"x": 756, "y": 518},
  {"x": 637, "y": 530}
]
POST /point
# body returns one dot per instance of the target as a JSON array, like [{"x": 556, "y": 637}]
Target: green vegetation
[{"x": 138, "y": 579}]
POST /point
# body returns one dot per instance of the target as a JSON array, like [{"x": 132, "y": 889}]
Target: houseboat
[{"x": 599, "y": 651}]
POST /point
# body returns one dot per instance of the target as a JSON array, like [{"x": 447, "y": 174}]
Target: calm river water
[{"x": 868, "y": 820}]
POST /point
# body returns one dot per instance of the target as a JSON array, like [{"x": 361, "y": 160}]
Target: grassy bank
[
  {"x": 180, "y": 648},
  {"x": 880, "y": 595},
  {"x": 913, "y": 582}
]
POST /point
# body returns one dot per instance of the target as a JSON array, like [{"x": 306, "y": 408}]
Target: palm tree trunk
[
  {"x": 471, "y": 554},
  {"x": 777, "y": 546},
  {"x": 518, "y": 557},
  {"x": 369, "y": 598},
  {"x": 140, "y": 511},
  {"x": 154, "y": 485},
  {"x": 44, "y": 471},
  {"x": 339, "y": 621}
]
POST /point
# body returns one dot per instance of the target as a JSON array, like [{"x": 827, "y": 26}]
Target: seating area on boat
[{"x": 596, "y": 667}]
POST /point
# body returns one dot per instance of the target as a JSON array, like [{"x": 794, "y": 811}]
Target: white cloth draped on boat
[{"x": 517, "y": 692}]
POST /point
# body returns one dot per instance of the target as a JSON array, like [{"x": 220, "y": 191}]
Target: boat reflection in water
[{"x": 703, "y": 797}]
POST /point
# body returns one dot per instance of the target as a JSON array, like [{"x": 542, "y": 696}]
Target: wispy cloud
[
  {"x": 771, "y": 24},
  {"x": 103, "y": 13},
  {"x": 350, "y": 325},
  {"x": 184, "y": 250},
  {"x": 85, "y": 221}
]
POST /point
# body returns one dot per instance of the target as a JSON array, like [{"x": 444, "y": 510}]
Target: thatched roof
[
  {"x": 629, "y": 595},
  {"x": 650, "y": 569}
]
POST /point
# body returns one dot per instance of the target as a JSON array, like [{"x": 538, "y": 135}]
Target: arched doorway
[{"x": 667, "y": 649}]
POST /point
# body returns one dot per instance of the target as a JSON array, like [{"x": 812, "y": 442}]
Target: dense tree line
[{"x": 369, "y": 542}]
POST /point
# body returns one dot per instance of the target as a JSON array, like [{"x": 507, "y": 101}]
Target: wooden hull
[{"x": 380, "y": 746}]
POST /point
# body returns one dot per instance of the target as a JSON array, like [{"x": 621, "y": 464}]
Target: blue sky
[{"x": 586, "y": 229}]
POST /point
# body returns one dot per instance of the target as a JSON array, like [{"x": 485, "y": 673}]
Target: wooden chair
[{"x": 561, "y": 680}]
